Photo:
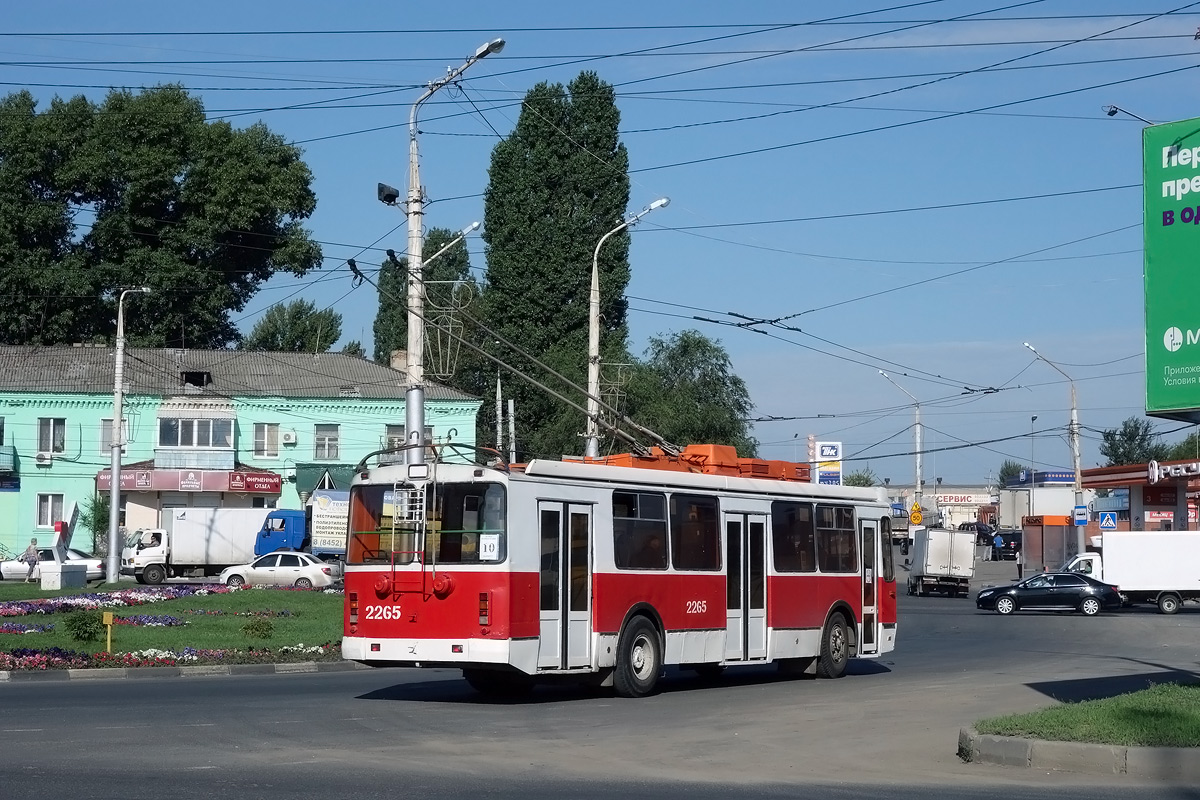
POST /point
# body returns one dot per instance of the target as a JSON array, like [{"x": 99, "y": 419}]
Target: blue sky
[{"x": 801, "y": 158}]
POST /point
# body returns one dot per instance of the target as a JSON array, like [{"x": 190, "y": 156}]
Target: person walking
[{"x": 31, "y": 558}]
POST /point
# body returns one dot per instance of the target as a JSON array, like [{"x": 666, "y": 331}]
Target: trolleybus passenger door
[
  {"x": 869, "y": 635},
  {"x": 745, "y": 587},
  {"x": 565, "y": 585}
]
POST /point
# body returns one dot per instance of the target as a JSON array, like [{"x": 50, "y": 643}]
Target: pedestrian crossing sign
[{"x": 1108, "y": 520}]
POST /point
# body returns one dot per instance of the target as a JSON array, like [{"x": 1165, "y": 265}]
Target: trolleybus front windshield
[{"x": 461, "y": 523}]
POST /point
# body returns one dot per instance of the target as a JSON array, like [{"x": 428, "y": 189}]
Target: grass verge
[
  {"x": 1167, "y": 715},
  {"x": 204, "y": 622}
]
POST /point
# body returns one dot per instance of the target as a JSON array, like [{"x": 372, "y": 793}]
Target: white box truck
[
  {"x": 200, "y": 542},
  {"x": 1148, "y": 566},
  {"x": 942, "y": 561}
]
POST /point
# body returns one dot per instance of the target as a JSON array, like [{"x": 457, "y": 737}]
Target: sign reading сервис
[{"x": 1171, "y": 181}]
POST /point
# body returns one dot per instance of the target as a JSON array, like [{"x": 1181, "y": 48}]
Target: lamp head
[
  {"x": 660, "y": 202},
  {"x": 1111, "y": 110},
  {"x": 1031, "y": 349},
  {"x": 144, "y": 290},
  {"x": 474, "y": 226},
  {"x": 494, "y": 46},
  {"x": 387, "y": 194}
]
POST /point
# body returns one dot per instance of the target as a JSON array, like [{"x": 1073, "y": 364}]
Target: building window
[
  {"x": 106, "y": 435},
  {"x": 326, "y": 447},
  {"x": 1, "y": 431},
  {"x": 177, "y": 432},
  {"x": 266, "y": 440},
  {"x": 52, "y": 435},
  {"x": 49, "y": 510}
]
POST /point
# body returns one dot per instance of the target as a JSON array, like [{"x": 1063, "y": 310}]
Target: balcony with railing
[{"x": 8, "y": 459}]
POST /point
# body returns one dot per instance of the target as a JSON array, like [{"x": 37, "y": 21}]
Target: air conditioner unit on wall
[
  {"x": 43, "y": 458},
  {"x": 288, "y": 437}
]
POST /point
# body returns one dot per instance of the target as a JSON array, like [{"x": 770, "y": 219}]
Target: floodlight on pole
[
  {"x": 916, "y": 435},
  {"x": 113, "y": 568},
  {"x": 1074, "y": 437},
  {"x": 592, "y": 447},
  {"x": 414, "y": 398}
]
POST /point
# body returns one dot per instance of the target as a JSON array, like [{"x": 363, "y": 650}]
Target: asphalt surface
[{"x": 888, "y": 729}]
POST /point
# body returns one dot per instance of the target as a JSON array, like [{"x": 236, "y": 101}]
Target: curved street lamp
[
  {"x": 1074, "y": 436},
  {"x": 592, "y": 448},
  {"x": 113, "y": 569},
  {"x": 414, "y": 398}
]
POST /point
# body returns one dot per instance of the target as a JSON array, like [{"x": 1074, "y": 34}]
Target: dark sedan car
[{"x": 1051, "y": 591}]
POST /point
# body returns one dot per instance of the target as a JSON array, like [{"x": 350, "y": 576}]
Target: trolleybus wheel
[
  {"x": 639, "y": 658},
  {"x": 835, "y": 648},
  {"x": 494, "y": 683}
]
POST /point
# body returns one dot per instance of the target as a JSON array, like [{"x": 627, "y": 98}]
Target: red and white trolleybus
[{"x": 614, "y": 568}]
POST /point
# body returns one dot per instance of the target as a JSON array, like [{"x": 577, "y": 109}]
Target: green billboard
[{"x": 1171, "y": 175}]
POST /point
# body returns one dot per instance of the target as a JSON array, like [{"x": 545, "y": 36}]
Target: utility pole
[
  {"x": 1074, "y": 437},
  {"x": 113, "y": 569},
  {"x": 414, "y": 208},
  {"x": 917, "y": 439}
]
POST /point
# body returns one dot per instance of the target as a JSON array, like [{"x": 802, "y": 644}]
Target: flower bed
[
  {"x": 150, "y": 620},
  {"x": 58, "y": 658},
  {"x": 18, "y": 627},
  {"x": 117, "y": 599}
]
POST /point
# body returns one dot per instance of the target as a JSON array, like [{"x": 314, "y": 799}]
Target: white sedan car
[
  {"x": 13, "y": 570},
  {"x": 282, "y": 568}
]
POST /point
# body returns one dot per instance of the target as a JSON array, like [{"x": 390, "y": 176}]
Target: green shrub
[
  {"x": 85, "y": 626},
  {"x": 259, "y": 628}
]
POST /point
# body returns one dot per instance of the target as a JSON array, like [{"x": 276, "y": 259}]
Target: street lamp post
[
  {"x": 1074, "y": 436},
  {"x": 414, "y": 398},
  {"x": 592, "y": 448},
  {"x": 916, "y": 434},
  {"x": 113, "y": 570},
  {"x": 1032, "y": 464},
  {"x": 1112, "y": 111}
]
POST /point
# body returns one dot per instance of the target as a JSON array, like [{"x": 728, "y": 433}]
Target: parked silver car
[
  {"x": 13, "y": 570},
  {"x": 283, "y": 568}
]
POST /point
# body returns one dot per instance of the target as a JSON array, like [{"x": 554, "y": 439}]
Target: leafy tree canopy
[
  {"x": 1134, "y": 442},
  {"x": 354, "y": 348},
  {"x": 141, "y": 190},
  {"x": 297, "y": 327},
  {"x": 860, "y": 477},
  {"x": 1009, "y": 470},
  {"x": 687, "y": 392}
]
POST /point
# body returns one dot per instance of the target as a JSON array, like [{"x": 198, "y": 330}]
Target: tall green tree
[
  {"x": 298, "y": 327},
  {"x": 687, "y": 392},
  {"x": 1134, "y": 442},
  {"x": 141, "y": 190},
  {"x": 354, "y": 348},
  {"x": 558, "y": 183},
  {"x": 451, "y": 268},
  {"x": 1189, "y": 448}
]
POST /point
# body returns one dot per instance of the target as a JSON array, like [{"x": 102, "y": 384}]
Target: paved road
[{"x": 888, "y": 728}]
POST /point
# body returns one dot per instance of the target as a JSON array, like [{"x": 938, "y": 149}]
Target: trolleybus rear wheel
[
  {"x": 835, "y": 648},
  {"x": 639, "y": 658}
]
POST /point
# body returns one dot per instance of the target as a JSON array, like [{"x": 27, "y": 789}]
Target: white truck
[
  {"x": 199, "y": 542},
  {"x": 942, "y": 561},
  {"x": 1148, "y": 566}
]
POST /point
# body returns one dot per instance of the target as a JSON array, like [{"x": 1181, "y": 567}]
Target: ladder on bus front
[{"x": 408, "y": 538}]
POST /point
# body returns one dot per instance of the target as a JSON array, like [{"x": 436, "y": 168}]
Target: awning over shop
[{"x": 143, "y": 477}]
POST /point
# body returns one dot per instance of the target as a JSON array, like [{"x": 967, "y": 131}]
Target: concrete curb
[
  {"x": 118, "y": 673},
  {"x": 1176, "y": 764}
]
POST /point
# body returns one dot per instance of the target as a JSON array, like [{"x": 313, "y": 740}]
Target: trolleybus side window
[
  {"x": 639, "y": 530},
  {"x": 466, "y": 524},
  {"x": 793, "y": 538},
  {"x": 836, "y": 550},
  {"x": 695, "y": 537},
  {"x": 889, "y": 561}
]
